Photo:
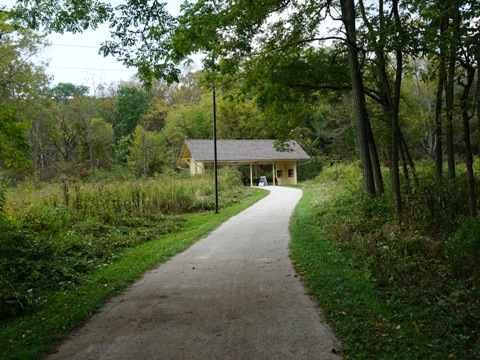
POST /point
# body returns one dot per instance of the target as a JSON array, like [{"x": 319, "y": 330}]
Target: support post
[
  {"x": 215, "y": 148},
  {"x": 273, "y": 174},
  {"x": 251, "y": 175}
]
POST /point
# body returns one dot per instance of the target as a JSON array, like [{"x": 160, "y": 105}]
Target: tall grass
[
  {"x": 36, "y": 332},
  {"x": 111, "y": 199},
  {"x": 55, "y": 234}
]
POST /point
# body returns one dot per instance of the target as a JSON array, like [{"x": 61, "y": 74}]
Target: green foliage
[
  {"x": 3, "y": 196},
  {"x": 55, "y": 235},
  {"x": 311, "y": 169},
  {"x": 240, "y": 119},
  {"x": 435, "y": 205},
  {"x": 146, "y": 152},
  {"x": 13, "y": 144},
  {"x": 122, "y": 148},
  {"x": 130, "y": 105},
  {"x": 191, "y": 121},
  {"x": 410, "y": 289},
  {"x": 148, "y": 48},
  {"x": 63, "y": 92},
  {"x": 36, "y": 333},
  {"x": 60, "y": 16},
  {"x": 465, "y": 247}
]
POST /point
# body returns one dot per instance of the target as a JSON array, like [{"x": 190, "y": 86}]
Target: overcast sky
[{"x": 74, "y": 58}]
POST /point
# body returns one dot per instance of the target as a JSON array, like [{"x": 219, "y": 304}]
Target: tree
[
  {"x": 363, "y": 131},
  {"x": 66, "y": 135},
  {"x": 147, "y": 151},
  {"x": 13, "y": 144},
  {"x": 93, "y": 129},
  {"x": 240, "y": 119},
  {"x": 130, "y": 105},
  {"x": 21, "y": 83},
  {"x": 459, "y": 45},
  {"x": 190, "y": 121}
]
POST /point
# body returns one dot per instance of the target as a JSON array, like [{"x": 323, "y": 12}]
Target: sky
[{"x": 74, "y": 58}]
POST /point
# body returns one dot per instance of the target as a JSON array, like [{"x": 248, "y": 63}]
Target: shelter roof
[{"x": 242, "y": 151}]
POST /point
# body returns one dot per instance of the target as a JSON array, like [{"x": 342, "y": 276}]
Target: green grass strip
[
  {"x": 350, "y": 301},
  {"x": 35, "y": 335}
]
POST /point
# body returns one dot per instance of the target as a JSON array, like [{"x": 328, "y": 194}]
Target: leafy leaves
[
  {"x": 141, "y": 32},
  {"x": 60, "y": 16},
  {"x": 13, "y": 144}
]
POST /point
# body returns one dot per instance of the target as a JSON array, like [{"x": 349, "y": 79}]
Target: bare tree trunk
[
  {"x": 36, "y": 148},
  {"x": 477, "y": 95},
  {"x": 348, "y": 17},
  {"x": 90, "y": 153},
  {"x": 472, "y": 198},
  {"x": 449, "y": 102},
  {"x": 438, "y": 107},
  {"x": 408, "y": 157},
  {"x": 395, "y": 123},
  {"x": 377, "y": 171},
  {"x": 403, "y": 159}
]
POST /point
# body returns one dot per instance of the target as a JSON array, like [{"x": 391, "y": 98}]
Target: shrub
[{"x": 465, "y": 247}]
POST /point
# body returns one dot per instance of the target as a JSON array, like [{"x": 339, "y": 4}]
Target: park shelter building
[{"x": 197, "y": 154}]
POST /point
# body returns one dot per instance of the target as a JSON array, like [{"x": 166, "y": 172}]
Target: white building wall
[{"x": 286, "y": 172}]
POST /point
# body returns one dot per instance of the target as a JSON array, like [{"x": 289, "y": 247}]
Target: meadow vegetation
[
  {"x": 67, "y": 247},
  {"x": 392, "y": 291}
]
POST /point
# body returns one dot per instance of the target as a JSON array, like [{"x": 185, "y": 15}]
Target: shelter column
[
  {"x": 251, "y": 175},
  {"x": 273, "y": 174}
]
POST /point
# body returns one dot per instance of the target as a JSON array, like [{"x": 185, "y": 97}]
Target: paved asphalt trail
[{"x": 232, "y": 295}]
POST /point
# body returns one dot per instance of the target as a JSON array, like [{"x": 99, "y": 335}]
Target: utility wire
[
  {"x": 93, "y": 69},
  {"x": 78, "y": 46}
]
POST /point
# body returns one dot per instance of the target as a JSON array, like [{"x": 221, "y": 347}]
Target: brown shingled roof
[{"x": 243, "y": 151}]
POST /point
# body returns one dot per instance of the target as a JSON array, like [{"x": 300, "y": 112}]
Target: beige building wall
[
  {"x": 196, "y": 167},
  {"x": 286, "y": 172}
]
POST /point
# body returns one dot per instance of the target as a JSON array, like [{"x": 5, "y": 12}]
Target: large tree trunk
[
  {"x": 477, "y": 95},
  {"x": 449, "y": 103},
  {"x": 348, "y": 17},
  {"x": 472, "y": 198},
  {"x": 450, "y": 98},
  {"x": 438, "y": 105},
  {"x": 395, "y": 173}
]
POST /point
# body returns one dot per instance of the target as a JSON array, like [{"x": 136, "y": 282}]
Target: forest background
[{"x": 392, "y": 87}]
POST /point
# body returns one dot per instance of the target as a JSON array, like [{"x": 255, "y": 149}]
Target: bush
[{"x": 465, "y": 247}]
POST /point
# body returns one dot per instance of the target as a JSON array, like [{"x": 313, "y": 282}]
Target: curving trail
[{"x": 232, "y": 295}]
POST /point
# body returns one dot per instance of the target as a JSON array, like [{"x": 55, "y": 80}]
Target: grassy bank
[
  {"x": 32, "y": 333},
  {"x": 389, "y": 292}
]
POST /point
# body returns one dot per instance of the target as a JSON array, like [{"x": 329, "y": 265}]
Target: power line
[
  {"x": 77, "y": 46},
  {"x": 93, "y": 69}
]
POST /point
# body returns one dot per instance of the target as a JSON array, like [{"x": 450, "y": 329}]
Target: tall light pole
[{"x": 215, "y": 141}]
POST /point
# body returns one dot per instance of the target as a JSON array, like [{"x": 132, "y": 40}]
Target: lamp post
[{"x": 215, "y": 147}]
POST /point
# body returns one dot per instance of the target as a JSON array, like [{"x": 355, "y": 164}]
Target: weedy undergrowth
[
  {"x": 53, "y": 235},
  {"x": 423, "y": 273}
]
